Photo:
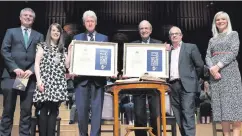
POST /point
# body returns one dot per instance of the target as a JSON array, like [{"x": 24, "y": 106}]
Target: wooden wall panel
[{"x": 126, "y": 15}]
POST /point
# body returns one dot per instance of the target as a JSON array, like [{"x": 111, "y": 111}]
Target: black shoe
[{"x": 71, "y": 122}]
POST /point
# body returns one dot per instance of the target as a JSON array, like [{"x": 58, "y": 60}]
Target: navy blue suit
[
  {"x": 17, "y": 55},
  {"x": 90, "y": 91}
]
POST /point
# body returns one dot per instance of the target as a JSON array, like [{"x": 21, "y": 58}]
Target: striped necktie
[
  {"x": 91, "y": 36},
  {"x": 26, "y": 37}
]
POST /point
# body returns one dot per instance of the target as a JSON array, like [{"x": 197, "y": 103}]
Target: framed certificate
[
  {"x": 146, "y": 58},
  {"x": 94, "y": 58}
]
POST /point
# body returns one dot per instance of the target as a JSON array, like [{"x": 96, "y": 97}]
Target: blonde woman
[{"x": 225, "y": 79}]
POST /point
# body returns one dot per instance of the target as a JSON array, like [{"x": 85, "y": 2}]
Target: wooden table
[{"x": 128, "y": 86}]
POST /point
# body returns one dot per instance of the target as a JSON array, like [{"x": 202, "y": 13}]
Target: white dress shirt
[
  {"x": 174, "y": 72},
  {"x": 28, "y": 31}
]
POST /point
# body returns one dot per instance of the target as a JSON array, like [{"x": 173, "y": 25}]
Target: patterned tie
[
  {"x": 26, "y": 37},
  {"x": 91, "y": 36}
]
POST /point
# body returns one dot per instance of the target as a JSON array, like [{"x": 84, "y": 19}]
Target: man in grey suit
[
  {"x": 140, "y": 112},
  {"x": 18, "y": 51},
  {"x": 186, "y": 66}
]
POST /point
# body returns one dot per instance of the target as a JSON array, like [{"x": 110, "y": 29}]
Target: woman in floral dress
[
  {"x": 50, "y": 66},
  {"x": 225, "y": 79}
]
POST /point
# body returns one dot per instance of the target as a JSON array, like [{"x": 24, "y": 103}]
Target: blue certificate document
[
  {"x": 94, "y": 58},
  {"x": 146, "y": 58},
  {"x": 154, "y": 60},
  {"x": 103, "y": 59}
]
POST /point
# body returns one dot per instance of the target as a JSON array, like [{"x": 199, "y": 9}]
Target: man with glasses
[
  {"x": 186, "y": 66},
  {"x": 140, "y": 112}
]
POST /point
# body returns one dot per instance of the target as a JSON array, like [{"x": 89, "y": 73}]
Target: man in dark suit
[
  {"x": 18, "y": 51},
  {"x": 140, "y": 112},
  {"x": 186, "y": 66},
  {"x": 90, "y": 87}
]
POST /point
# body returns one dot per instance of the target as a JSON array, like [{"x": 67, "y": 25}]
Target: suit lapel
[
  {"x": 20, "y": 34},
  {"x": 139, "y": 41},
  {"x": 169, "y": 57},
  {"x": 181, "y": 53},
  {"x": 32, "y": 34},
  {"x": 84, "y": 37},
  {"x": 97, "y": 37},
  {"x": 151, "y": 41},
  {"x": 169, "y": 63}
]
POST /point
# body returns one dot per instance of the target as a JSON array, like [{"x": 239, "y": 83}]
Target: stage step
[
  {"x": 72, "y": 130},
  {"x": 64, "y": 113},
  {"x": 66, "y": 130}
]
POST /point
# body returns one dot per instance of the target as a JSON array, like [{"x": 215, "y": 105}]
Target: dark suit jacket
[
  {"x": 151, "y": 41},
  {"x": 14, "y": 52},
  {"x": 190, "y": 66},
  {"x": 83, "y": 80}
]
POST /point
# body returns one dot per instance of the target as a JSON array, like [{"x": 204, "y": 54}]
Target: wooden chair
[
  {"x": 130, "y": 129},
  {"x": 171, "y": 120},
  {"x": 108, "y": 121}
]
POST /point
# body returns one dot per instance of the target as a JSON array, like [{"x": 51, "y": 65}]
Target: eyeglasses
[{"x": 175, "y": 34}]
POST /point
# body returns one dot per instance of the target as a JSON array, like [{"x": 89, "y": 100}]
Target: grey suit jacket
[
  {"x": 190, "y": 66},
  {"x": 14, "y": 52}
]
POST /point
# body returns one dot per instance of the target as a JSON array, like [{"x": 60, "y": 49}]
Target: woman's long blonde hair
[{"x": 214, "y": 27}]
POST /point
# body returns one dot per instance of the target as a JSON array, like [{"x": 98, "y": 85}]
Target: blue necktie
[{"x": 26, "y": 37}]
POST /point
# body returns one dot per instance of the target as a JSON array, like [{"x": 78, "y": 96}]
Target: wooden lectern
[{"x": 150, "y": 85}]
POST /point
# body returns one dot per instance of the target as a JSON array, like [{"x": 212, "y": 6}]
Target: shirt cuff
[{"x": 220, "y": 64}]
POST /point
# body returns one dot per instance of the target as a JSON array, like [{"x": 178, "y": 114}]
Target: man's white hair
[
  {"x": 145, "y": 21},
  {"x": 89, "y": 13},
  {"x": 175, "y": 27}
]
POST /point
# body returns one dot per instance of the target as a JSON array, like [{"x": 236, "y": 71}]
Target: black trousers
[
  {"x": 48, "y": 112},
  {"x": 9, "y": 104},
  {"x": 205, "y": 109},
  {"x": 140, "y": 112}
]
